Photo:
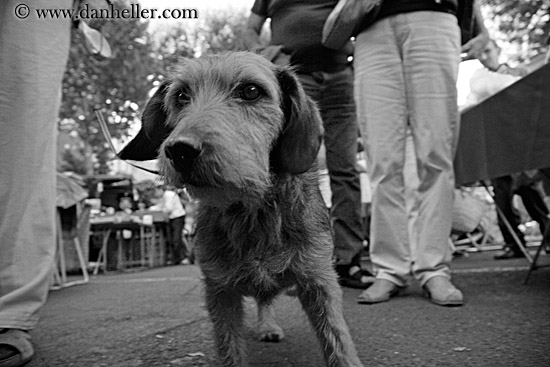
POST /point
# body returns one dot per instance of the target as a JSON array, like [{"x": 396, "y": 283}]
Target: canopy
[{"x": 69, "y": 192}]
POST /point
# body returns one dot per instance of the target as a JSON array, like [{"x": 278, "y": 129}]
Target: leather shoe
[
  {"x": 508, "y": 253},
  {"x": 352, "y": 276},
  {"x": 442, "y": 292},
  {"x": 381, "y": 291},
  {"x": 15, "y": 347}
]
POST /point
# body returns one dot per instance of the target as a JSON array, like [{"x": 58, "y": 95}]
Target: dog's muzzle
[{"x": 182, "y": 152}]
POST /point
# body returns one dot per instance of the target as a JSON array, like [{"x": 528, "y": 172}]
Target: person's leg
[
  {"x": 382, "y": 112},
  {"x": 410, "y": 174},
  {"x": 430, "y": 43},
  {"x": 545, "y": 175},
  {"x": 179, "y": 250},
  {"x": 341, "y": 133},
  {"x": 430, "y": 49},
  {"x": 33, "y": 54},
  {"x": 534, "y": 204},
  {"x": 504, "y": 194},
  {"x": 334, "y": 94}
]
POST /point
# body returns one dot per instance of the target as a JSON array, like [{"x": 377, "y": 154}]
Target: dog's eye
[
  {"x": 250, "y": 92},
  {"x": 183, "y": 97}
]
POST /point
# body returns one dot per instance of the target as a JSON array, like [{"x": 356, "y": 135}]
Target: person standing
[
  {"x": 406, "y": 67},
  {"x": 170, "y": 203},
  {"x": 327, "y": 77},
  {"x": 33, "y": 55}
]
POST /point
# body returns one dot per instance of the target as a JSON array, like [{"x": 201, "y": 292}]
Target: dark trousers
[
  {"x": 333, "y": 93},
  {"x": 178, "y": 250},
  {"x": 532, "y": 200}
]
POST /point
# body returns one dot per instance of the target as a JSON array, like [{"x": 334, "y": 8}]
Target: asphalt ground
[{"x": 157, "y": 317}]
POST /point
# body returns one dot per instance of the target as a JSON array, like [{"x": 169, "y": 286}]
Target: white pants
[
  {"x": 33, "y": 54},
  {"x": 406, "y": 67}
]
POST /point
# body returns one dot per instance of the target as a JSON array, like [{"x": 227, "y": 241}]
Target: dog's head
[{"x": 228, "y": 123}]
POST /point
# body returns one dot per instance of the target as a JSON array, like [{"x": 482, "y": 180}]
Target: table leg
[
  {"x": 102, "y": 257},
  {"x": 142, "y": 244},
  {"x": 120, "y": 255}
]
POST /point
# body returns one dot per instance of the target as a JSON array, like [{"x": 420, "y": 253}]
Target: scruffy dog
[{"x": 241, "y": 135}]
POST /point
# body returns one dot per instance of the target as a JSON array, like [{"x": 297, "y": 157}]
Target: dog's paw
[{"x": 271, "y": 334}]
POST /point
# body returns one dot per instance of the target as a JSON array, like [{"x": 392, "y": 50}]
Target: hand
[
  {"x": 251, "y": 36},
  {"x": 251, "y": 39},
  {"x": 473, "y": 49}
]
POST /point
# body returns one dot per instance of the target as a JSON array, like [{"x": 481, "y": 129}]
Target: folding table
[{"x": 506, "y": 134}]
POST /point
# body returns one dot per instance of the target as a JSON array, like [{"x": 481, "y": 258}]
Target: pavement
[{"x": 156, "y": 317}]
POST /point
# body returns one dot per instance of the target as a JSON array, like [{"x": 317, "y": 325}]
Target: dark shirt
[
  {"x": 393, "y": 7},
  {"x": 297, "y": 25}
]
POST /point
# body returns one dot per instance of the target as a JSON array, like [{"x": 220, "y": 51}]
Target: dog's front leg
[
  {"x": 322, "y": 302},
  {"x": 226, "y": 312}
]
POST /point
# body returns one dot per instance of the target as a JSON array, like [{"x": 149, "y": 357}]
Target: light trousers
[
  {"x": 406, "y": 68},
  {"x": 33, "y": 55}
]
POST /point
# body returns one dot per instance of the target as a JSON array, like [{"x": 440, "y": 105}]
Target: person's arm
[
  {"x": 253, "y": 31},
  {"x": 159, "y": 206},
  {"x": 474, "y": 47}
]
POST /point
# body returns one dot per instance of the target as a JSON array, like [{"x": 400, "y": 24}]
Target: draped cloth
[{"x": 506, "y": 133}]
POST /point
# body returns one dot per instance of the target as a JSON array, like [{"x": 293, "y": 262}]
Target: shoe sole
[
  {"x": 364, "y": 301},
  {"x": 354, "y": 284},
  {"x": 447, "y": 304},
  {"x": 443, "y": 303}
]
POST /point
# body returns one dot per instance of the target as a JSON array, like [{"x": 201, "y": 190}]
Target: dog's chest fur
[
  {"x": 246, "y": 249},
  {"x": 261, "y": 249}
]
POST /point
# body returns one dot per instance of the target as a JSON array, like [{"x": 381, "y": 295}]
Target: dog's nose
[{"x": 183, "y": 150}]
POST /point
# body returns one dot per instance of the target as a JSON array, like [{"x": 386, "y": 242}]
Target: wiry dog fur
[{"x": 240, "y": 134}]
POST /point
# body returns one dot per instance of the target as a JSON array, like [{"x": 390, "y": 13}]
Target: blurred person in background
[{"x": 170, "y": 203}]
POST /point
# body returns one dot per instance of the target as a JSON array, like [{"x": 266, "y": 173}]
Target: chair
[
  {"x": 80, "y": 238},
  {"x": 532, "y": 260},
  {"x": 543, "y": 244},
  {"x": 469, "y": 214}
]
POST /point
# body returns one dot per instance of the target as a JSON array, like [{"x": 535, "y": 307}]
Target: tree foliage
[
  {"x": 119, "y": 86},
  {"x": 216, "y": 32},
  {"x": 115, "y": 86},
  {"x": 521, "y": 26}
]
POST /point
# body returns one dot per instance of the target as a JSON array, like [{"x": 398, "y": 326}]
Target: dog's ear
[
  {"x": 296, "y": 148},
  {"x": 145, "y": 145}
]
